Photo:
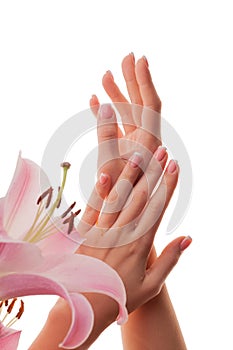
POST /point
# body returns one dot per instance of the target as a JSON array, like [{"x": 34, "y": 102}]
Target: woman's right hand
[{"x": 121, "y": 232}]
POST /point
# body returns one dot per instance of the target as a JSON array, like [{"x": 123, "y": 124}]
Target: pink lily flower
[
  {"x": 47, "y": 266},
  {"x": 9, "y": 338}
]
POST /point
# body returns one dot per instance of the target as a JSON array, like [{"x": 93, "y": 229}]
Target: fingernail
[
  {"x": 135, "y": 160},
  {"x": 106, "y": 112},
  {"x": 145, "y": 59},
  {"x": 109, "y": 72},
  {"x": 132, "y": 55},
  {"x": 103, "y": 178},
  {"x": 160, "y": 153},
  {"x": 172, "y": 166},
  {"x": 185, "y": 243}
]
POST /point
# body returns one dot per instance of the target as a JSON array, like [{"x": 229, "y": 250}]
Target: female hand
[
  {"x": 147, "y": 326},
  {"x": 141, "y": 126},
  {"x": 122, "y": 231}
]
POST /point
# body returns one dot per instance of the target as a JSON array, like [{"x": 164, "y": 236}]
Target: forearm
[
  {"x": 58, "y": 322},
  {"x": 153, "y": 326}
]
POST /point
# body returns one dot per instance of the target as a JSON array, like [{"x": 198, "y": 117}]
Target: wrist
[{"x": 105, "y": 312}]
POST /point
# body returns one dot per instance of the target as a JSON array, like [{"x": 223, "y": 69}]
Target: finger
[
  {"x": 121, "y": 103},
  {"x": 112, "y": 89},
  {"x": 107, "y": 135},
  {"x": 151, "y": 125},
  {"x": 160, "y": 269},
  {"x": 120, "y": 192},
  {"x": 154, "y": 210},
  {"x": 95, "y": 203},
  {"x": 95, "y": 105},
  {"x": 128, "y": 69},
  {"x": 148, "y": 92},
  {"x": 143, "y": 189}
]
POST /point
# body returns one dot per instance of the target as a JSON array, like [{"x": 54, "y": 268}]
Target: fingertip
[
  {"x": 161, "y": 153},
  {"x": 106, "y": 112},
  {"x": 94, "y": 104},
  {"x": 185, "y": 243},
  {"x": 107, "y": 77},
  {"x": 173, "y": 167},
  {"x": 170, "y": 178},
  {"x": 103, "y": 185},
  {"x": 94, "y": 100},
  {"x": 145, "y": 60},
  {"x": 128, "y": 59},
  {"x": 103, "y": 178}
]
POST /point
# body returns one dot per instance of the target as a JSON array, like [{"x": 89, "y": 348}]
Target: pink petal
[
  {"x": 82, "y": 323},
  {"x": 1, "y": 214},
  {"x": 9, "y": 338},
  {"x": 18, "y": 256},
  {"x": 20, "y": 202},
  {"x": 92, "y": 275},
  {"x": 17, "y": 285},
  {"x": 59, "y": 242}
]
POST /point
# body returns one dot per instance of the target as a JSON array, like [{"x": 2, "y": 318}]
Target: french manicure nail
[
  {"x": 103, "y": 178},
  {"x": 109, "y": 72},
  {"x": 160, "y": 153},
  {"x": 146, "y": 60},
  {"x": 185, "y": 243},
  {"x": 132, "y": 55},
  {"x": 135, "y": 159},
  {"x": 106, "y": 112},
  {"x": 172, "y": 166}
]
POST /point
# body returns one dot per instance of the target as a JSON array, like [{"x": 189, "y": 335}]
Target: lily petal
[
  {"x": 81, "y": 325},
  {"x": 93, "y": 275},
  {"x": 18, "y": 256},
  {"x": 20, "y": 202},
  {"x": 29, "y": 284},
  {"x": 9, "y": 338},
  {"x": 1, "y": 213},
  {"x": 59, "y": 242}
]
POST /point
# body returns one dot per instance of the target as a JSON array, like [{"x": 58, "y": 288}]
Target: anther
[
  {"x": 65, "y": 165},
  {"x": 21, "y": 310},
  {"x": 49, "y": 197},
  {"x": 70, "y": 221},
  {"x": 68, "y": 210},
  {"x": 10, "y": 307},
  {"x": 43, "y": 195},
  {"x": 77, "y": 212}
]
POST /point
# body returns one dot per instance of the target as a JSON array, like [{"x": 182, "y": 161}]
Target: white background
[{"x": 52, "y": 58}]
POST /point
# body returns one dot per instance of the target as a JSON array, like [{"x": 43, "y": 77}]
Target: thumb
[{"x": 163, "y": 265}]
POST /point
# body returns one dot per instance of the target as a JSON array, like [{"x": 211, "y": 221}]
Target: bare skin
[
  {"x": 147, "y": 326},
  {"x": 143, "y": 273}
]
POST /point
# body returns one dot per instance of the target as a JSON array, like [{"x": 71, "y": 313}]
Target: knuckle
[
  {"x": 107, "y": 132},
  {"x": 140, "y": 195}
]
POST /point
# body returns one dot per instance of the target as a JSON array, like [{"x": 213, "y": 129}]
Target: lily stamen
[
  {"x": 49, "y": 197},
  {"x": 59, "y": 203},
  {"x": 70, "y": 221},
  {"x": 40, "y": 228},
  {"x": 10, "y": 307},
  {"x": 68, "y": 210},
  {"x": 42, "y": 196},
  {"x": 9, "y": 310}
]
